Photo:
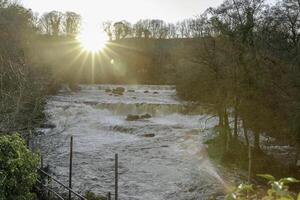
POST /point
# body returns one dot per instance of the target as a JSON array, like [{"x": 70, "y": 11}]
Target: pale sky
[
  {"x": 96, "y": 11},
  {"x": 131, "y": 10}
]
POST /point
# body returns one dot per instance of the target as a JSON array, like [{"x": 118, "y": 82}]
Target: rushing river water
[{"x": 171, "y": 165}]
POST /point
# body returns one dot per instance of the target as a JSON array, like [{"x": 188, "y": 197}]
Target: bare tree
[
  {"x": 238, "y": 18},
  {"x": 52, "y": 23},
  {"x": 45, "y": 24},
  {"x": 290, "y": 16},
  {"x": 127, "y": 29},
  {"x": 122, "y": 29},
  {"x": 157, "y": 28},
  {"x": 108, "y": 29},
  {"x": 171, "y": 31},
  {"x": 56, "y": 22},
  {"x": 142, "y": 28},
  {"x": 138, "y": 29},
  {"x": 184, "y": 28},
  {"x": 71, "y": 24},
  {"x": 199, "y": 26}
]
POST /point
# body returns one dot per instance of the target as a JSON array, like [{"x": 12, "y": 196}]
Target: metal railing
[
  {"x": 71, "y": 192},
  {"x": 49, "y": 177}
]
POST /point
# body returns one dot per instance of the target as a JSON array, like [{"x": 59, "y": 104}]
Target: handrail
[
  {"x": 51, "y": 190},
  {"x": 60, "y": 183},
  {"x": 69, "y": 188}
]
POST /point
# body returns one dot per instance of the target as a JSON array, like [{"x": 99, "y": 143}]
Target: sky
[{"x": 131, "y": 10}]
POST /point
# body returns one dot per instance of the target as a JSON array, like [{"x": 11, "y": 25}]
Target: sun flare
[{"x": 92, "y": 40}]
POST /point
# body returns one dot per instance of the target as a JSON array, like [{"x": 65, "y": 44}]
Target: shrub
[
  {"x": 17, "y": 169},
  {"x": 278, "y": 190}
]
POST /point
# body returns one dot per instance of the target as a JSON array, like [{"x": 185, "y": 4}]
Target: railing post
[
  {"x": 116, "y": 176},
  {"x": 48, "y": 185},
  {"x": 108, "y": 196},
  {"x": 28, "y": 140},
  {"x": 70, "y": 167},
  {"x": 42, "y": 162}
]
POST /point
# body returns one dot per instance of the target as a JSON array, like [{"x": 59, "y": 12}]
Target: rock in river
[
  {"x": 146, "y": 116},
  {"x": 137, "y": 117},
  {"x": 118, "y": 91},
  {"x": 149, "y": 135},
  {"x": 132, "y": 117}
]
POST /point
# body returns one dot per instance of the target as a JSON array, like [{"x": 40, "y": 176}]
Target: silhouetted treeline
[
  {"x": 57, "y": 23},
  {"x": 156, "y": 29}
]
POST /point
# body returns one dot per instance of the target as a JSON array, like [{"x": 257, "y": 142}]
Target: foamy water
[{"x": 171, "y": 165}]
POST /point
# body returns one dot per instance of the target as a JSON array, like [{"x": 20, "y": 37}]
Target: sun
[{"x": 92, "y": 40}]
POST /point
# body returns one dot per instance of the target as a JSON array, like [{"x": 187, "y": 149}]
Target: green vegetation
[
  {"x": 278, "y": 190},
  {"x": 17, "y": 169},
  {"x": 92, "y": 196}
]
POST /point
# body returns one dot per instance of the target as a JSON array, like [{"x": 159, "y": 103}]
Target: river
[{"x": 160, "y": 158}]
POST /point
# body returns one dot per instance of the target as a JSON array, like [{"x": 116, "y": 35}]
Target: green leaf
[
  {"x": 267, "y": 177},
  {"x": 245, "y": 187},
  {"x": 288, "y": 180},
  {"x": 277, "y": 186},
  {"x": 230, "y": 197}
]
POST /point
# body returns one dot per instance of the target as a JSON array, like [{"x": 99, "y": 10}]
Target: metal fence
[{"x": 45, "y": 181}]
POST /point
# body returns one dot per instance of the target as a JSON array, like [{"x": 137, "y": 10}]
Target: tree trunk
[
  {"x": 227, "y": 130},
  {"x": 297, "y": 155},
  {"x": 256, "y": 141},
  {"x": 226, "y": 124},
  {"x": 235, "y": 123},
  {"x": 249, "y": 163},
  {"x": 246, "y": 133},
  {"x": 221, "y": 121}
]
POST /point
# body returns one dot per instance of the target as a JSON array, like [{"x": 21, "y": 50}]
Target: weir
[{"x": 156, "y": 159}]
